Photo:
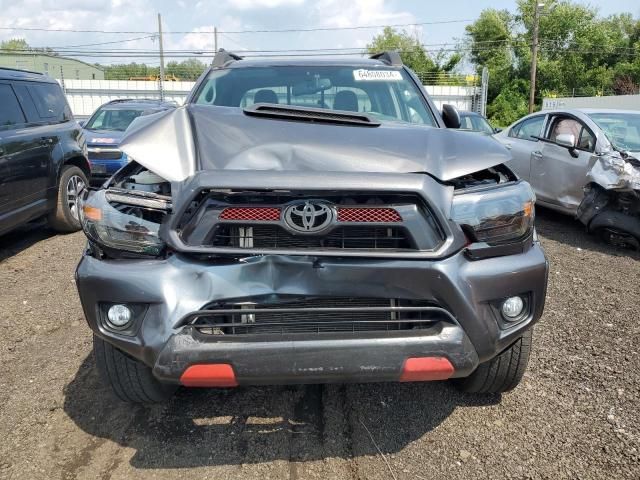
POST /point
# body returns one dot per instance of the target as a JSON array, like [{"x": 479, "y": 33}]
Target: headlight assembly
[
  {"x": 496, "y": 216},
  {"x": 131, "y": 227}
]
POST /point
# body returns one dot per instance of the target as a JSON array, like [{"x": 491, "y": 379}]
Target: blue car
[{"x": 105, "y": 129}]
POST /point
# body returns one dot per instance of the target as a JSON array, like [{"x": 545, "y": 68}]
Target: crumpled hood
[{"x": 228, "y": 139}]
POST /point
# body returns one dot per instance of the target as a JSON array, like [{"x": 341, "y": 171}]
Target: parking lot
[{"x": 574, "y": 416}]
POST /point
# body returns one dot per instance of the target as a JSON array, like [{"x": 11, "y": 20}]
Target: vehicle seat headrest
[{"x": 346, "y": 100}]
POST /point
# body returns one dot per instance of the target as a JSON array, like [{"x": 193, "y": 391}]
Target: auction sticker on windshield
[{"x": 380, "y": 75}]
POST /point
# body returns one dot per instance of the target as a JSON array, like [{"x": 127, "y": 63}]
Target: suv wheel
[
  {"x": 501, "y": 373},
  {"x": 66, "y": 216},
  {"x": 131, "y": 380}
]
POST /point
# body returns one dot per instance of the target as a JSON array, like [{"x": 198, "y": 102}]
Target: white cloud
[
  {"x": 198, "y": 19},
  {"x": 251, "y": 4}
]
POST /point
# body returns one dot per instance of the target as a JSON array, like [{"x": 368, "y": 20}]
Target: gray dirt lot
[{"x": 576, "y": 415}]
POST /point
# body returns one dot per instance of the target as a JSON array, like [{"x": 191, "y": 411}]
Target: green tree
[
  {"x": 492, "y": 46},
  {"x": 412, "y": 52},
  {"x": 14, "y": 44},
  {"x": 129, "y": 70},
  {"x": 187, "y": 70},
  {"x": 21, "y": 45},
  {"x": 580, "y": 53}
]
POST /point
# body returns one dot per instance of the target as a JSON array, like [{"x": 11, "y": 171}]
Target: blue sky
[{"x": 233, "y": 15}]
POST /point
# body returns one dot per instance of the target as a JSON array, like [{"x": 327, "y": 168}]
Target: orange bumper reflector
[
  {"x": 528, "y": 209},
  {"x": 92, "y": 213},
  {"x": 422, "y": 369},
  {"x": 209, "y": 375}
]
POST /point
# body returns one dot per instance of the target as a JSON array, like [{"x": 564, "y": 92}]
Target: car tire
[
  {"x": 130, "y": 379},
  {"x": 618, "y": 238},
  {"x": 503, "y": 372},
  {"x": 66, "y": 216}
]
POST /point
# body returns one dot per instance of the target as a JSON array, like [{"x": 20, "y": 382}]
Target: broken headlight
[
  {"x": 497, "y": 215},
  {"x": 124, "y": 222}
]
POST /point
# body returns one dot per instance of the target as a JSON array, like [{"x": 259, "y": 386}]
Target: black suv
[
  {"x": 310, "y": 221},
  {"x": 43, "y": 159}
]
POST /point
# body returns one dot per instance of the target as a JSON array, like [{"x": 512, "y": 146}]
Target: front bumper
[{"x": 173, "y": 288}]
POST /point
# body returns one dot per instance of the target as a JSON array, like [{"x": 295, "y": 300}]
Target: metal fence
[
  {"x": 85, "y": 96},
  {"x": 466, "y": 92}
]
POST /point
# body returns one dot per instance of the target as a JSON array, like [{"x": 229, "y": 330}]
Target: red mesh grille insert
[
  {"x": 368, "y": 214},
  {"x": 255, "y": 214}
]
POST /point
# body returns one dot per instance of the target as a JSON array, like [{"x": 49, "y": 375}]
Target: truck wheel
[
  {"x": 501, "y": 373},
  {"x": 131, "y": 380},
  {"x": 66, "y": 216}
]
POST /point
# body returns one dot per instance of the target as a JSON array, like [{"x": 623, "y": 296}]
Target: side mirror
[
  {"x": 450, "y": 116},
  {"x": 566, "y": 140},
  {"x": 497, "y": 130},
  {"x": 82, "y": 123}
]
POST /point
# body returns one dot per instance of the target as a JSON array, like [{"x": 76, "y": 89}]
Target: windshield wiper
[{"x": 310, "y": 114}]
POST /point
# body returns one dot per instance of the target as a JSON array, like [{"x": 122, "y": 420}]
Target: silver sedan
[{"x": 585, "y": 163}]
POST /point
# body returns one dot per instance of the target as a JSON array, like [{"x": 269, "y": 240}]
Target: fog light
[
  {"x": 119, "y": 316},
  {"x": 512, "y": 307}
]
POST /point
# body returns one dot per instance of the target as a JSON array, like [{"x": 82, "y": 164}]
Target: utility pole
[
  {"x": 215, "y": 40},
  {"x": 161, "y": 82},
  {"x": 64, "y": 89},
  {"x": 534, "y": 55}
]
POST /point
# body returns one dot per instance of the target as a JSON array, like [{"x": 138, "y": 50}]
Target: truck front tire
[
  {"x": 131, "y": 380},
  {"x": 503, "y": 372}
]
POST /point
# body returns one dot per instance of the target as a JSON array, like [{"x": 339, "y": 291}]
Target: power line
[
  {"x": 548, "y": 46},
  {"x": 358, "y": 27},
  {"x": 72, "y": 48},
  {"x": 206, "y": 32},
  {"x": 233, "y": 41},
  {"x": 324, "y": 51},
  {"x": 101, "y": 43},
  {"x": 71, "y": 30},
  {"x": 484, "y": 45}
]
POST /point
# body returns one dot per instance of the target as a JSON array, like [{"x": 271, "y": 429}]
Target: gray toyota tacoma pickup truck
[{"x": 309, "y": 221}]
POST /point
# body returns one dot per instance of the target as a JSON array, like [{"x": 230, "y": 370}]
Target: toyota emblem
[{"x": 308, "y": 217}]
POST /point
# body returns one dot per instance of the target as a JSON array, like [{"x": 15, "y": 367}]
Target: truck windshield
[
  {"x": 622, "y": 129},
  {"x": 388, "y": 94}
]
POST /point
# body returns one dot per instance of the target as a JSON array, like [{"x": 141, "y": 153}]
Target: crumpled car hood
[{"x": 177, "y": 143}]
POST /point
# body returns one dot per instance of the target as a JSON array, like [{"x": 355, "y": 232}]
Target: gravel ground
[{"x": 576, "y": 414}]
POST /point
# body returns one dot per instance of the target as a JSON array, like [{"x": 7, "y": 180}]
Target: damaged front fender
[
  {"x": 611, "y": 203},
  {"x": 615, "y": 171}
]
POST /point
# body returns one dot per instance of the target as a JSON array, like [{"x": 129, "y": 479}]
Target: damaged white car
[{"x": 585, "y": 163}]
